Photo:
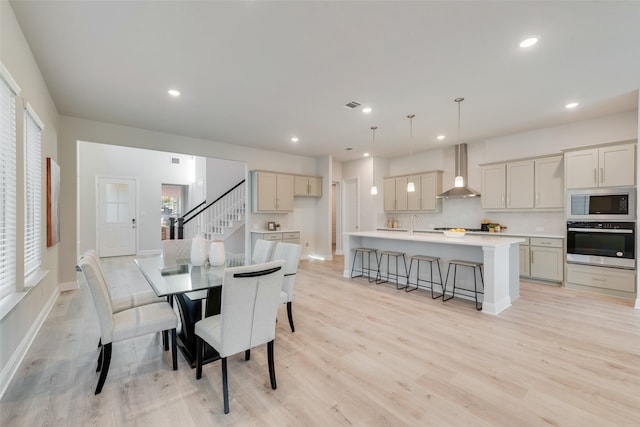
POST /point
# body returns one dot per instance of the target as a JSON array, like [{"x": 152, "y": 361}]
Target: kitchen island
[{"x": 499, "y": 255}]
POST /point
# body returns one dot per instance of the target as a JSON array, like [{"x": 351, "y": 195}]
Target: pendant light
[
  {"x": 459, "y": 180},
  {"x": 410, "y": 185},
  {"x": 374, "y": 189}
]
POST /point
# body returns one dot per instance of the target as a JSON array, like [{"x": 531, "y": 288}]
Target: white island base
[{"x": 500, "y": 256}]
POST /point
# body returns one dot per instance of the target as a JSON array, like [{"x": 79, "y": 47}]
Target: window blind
[
  {"x": 7, "y": 189},
  {"x": 32, "y": 191}
]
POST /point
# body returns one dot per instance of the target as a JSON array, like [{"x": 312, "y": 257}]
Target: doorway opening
[{"x": 174, "y": 199}]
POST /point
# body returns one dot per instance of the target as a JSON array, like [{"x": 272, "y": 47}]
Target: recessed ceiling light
[
  {"x": 366, "y": 154},
  {"x": 173, "y": 92},
  {"x": 366, "y": 110},
  {"x": 571, "y": 105},
  {"x": 295, "y": 139},
  {"x": 440, "y": 137},
  {"x": 528, "y": 42}
]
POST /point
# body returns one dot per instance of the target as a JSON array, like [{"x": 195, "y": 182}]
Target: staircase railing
[{"x": 215, "y": 216}]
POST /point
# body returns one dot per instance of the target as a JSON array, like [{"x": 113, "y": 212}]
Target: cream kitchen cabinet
[
  {"x": 272, "y": 192},
  {"x": 428, "y": 186},
  {"x": 523, "y": 184},
  {"x": 395, "y": 193},
  {"x": 525, "y": 258},
  {"x": 307, "y": 186},
  {"x": 546, "y": 259},
  {"x": 549, "y": 175},
  {"x": 508, "y": 185},
  {"x": 603, "y": 280},
  {"x": 606, "y": 166}
]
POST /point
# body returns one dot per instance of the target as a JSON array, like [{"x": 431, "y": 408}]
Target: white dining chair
[
  {"x": 131, "y": 300},
  {"x": 262, "y": 251},
  {"x": 126, "y": 324},
  {"x": 247, "y": 319},
  {"x": 176, "y": 251},
  {"x": 290, "y": 252}
]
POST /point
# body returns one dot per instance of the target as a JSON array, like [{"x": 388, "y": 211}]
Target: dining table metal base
[{"x": 190, "y": 312}]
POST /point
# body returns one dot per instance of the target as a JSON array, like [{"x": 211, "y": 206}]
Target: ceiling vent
[
  {"x": 175, "y": 160},
  {"x": 352, "y": 104}
]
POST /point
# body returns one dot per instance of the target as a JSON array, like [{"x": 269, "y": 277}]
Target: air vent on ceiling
[
  {"x": 352, "y": 104},
  {"x": 175, "y": 160}
]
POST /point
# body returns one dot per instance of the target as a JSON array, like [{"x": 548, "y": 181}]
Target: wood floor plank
[{"x": 362, "y": 355}]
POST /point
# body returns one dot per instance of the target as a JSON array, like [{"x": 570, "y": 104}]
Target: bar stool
[
  {"x": 363, "y": 269},
  {"x": 430, "y": 260},
  {"x": 470, "y": 264},
  {"x": 396, "y": 274}
]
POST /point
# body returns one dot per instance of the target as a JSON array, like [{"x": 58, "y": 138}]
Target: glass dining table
[{"x": 188, "y": 286}]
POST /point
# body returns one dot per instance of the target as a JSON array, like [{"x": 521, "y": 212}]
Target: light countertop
[
  {"x": 482, "y": 233},
  {"x": 478, "y": 239},
  {"x": 272, "y": 232}
]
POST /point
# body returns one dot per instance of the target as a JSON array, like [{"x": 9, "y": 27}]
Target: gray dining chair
[
  {"x": 247, "y": 319},
  {"x": 262, "y": 251},
  {"x": 126, "y": 324},
  {"x": 290, "y": 252}
]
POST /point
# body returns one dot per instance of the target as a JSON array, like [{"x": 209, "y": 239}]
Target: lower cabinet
[
  {"x": 604, "y": 280},
  {"x": 277, "y": 236},
  {"x": 542, "y": 258}
]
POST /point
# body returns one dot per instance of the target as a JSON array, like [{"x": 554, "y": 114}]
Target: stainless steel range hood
[{"x": 461, "y": 170}]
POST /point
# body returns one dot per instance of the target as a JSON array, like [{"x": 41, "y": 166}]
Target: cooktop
[{"x": 467, "y": 229}]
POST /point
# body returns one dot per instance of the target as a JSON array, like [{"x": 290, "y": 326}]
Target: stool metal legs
[
  {"x": 430, "y": 260},
  {"x": 475, "y": 281},
  {"x": 364, "y": 269},
  {"x": 396, "y": 275}
]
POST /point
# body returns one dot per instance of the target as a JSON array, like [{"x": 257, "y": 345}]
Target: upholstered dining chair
[
  {"x": 131, "y": 300},
  {"x": 290, "y": 252},
  {"x": 176, "y": 251},
  {"x": 125, "y": 324},
  {"x": 247, "y": 319},
  {"x": 262, "y": 251}
]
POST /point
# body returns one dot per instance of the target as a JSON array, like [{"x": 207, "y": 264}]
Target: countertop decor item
[
  {"x": 216, "y": 253},
  {"x": 198, "y": 250},
  {"x": 454, "y": 233}
]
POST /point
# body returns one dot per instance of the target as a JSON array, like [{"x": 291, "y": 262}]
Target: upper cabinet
[
  {"x": 601, "y": 167},
  {"x": 523, "y": 184},
  {"x": 395, "y": 194},
  {"x": 272, "y": 192},
  {"x": 307, "y": 186},
  {"x": 427, "y": 186}
]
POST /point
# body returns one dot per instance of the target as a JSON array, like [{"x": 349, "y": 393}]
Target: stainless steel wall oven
[{"x": 607, "y": 244}]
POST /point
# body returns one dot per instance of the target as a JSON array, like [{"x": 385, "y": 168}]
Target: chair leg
[
  {"x": 100, "y": 359},
  {"x": 225, "y": 385},
  {"x": 174, "y": 349},
  {"x": 100, "y": 343},
  {"x": 198, "y": 357},
  {"x": 272, "y": 369},
  {"x": 165, "y": 340},
  {"x": 290, "y": 314},
  {"x": 106, "y": 348},
  {"x": 247, "y": 354}
]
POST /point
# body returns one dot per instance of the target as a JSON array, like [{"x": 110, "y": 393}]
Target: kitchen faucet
[{"x": 413, "y": 217}]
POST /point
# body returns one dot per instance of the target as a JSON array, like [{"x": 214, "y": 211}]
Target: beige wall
[{"x": 17, "y": 327}]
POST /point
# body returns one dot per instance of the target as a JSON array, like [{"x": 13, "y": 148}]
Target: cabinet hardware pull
[
  {"x": 595, "y": 175},
  {"x": 602, "y": 175}
]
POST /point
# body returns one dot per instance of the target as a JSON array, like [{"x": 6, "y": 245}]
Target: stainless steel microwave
[{"x": 602, "y": 204}]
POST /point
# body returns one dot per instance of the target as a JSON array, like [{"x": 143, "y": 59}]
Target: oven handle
[{"x": 601, "y": 230}]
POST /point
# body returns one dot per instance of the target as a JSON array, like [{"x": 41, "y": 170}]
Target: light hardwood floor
[{"x": 362, "y": 354}]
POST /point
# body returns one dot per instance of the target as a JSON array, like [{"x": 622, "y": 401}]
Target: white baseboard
[
  {"x": 339, "y": 252},
  {"x": 18, "y": 356},
  {"x": 68, "y": 286}
]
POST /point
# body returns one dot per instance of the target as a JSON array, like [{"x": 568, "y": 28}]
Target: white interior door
[
  {"x": 351, "y": 206},
  {"x": 116, "y": 216}
]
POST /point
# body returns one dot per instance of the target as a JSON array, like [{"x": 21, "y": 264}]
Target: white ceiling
[{"x": 256, "y": 73}]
